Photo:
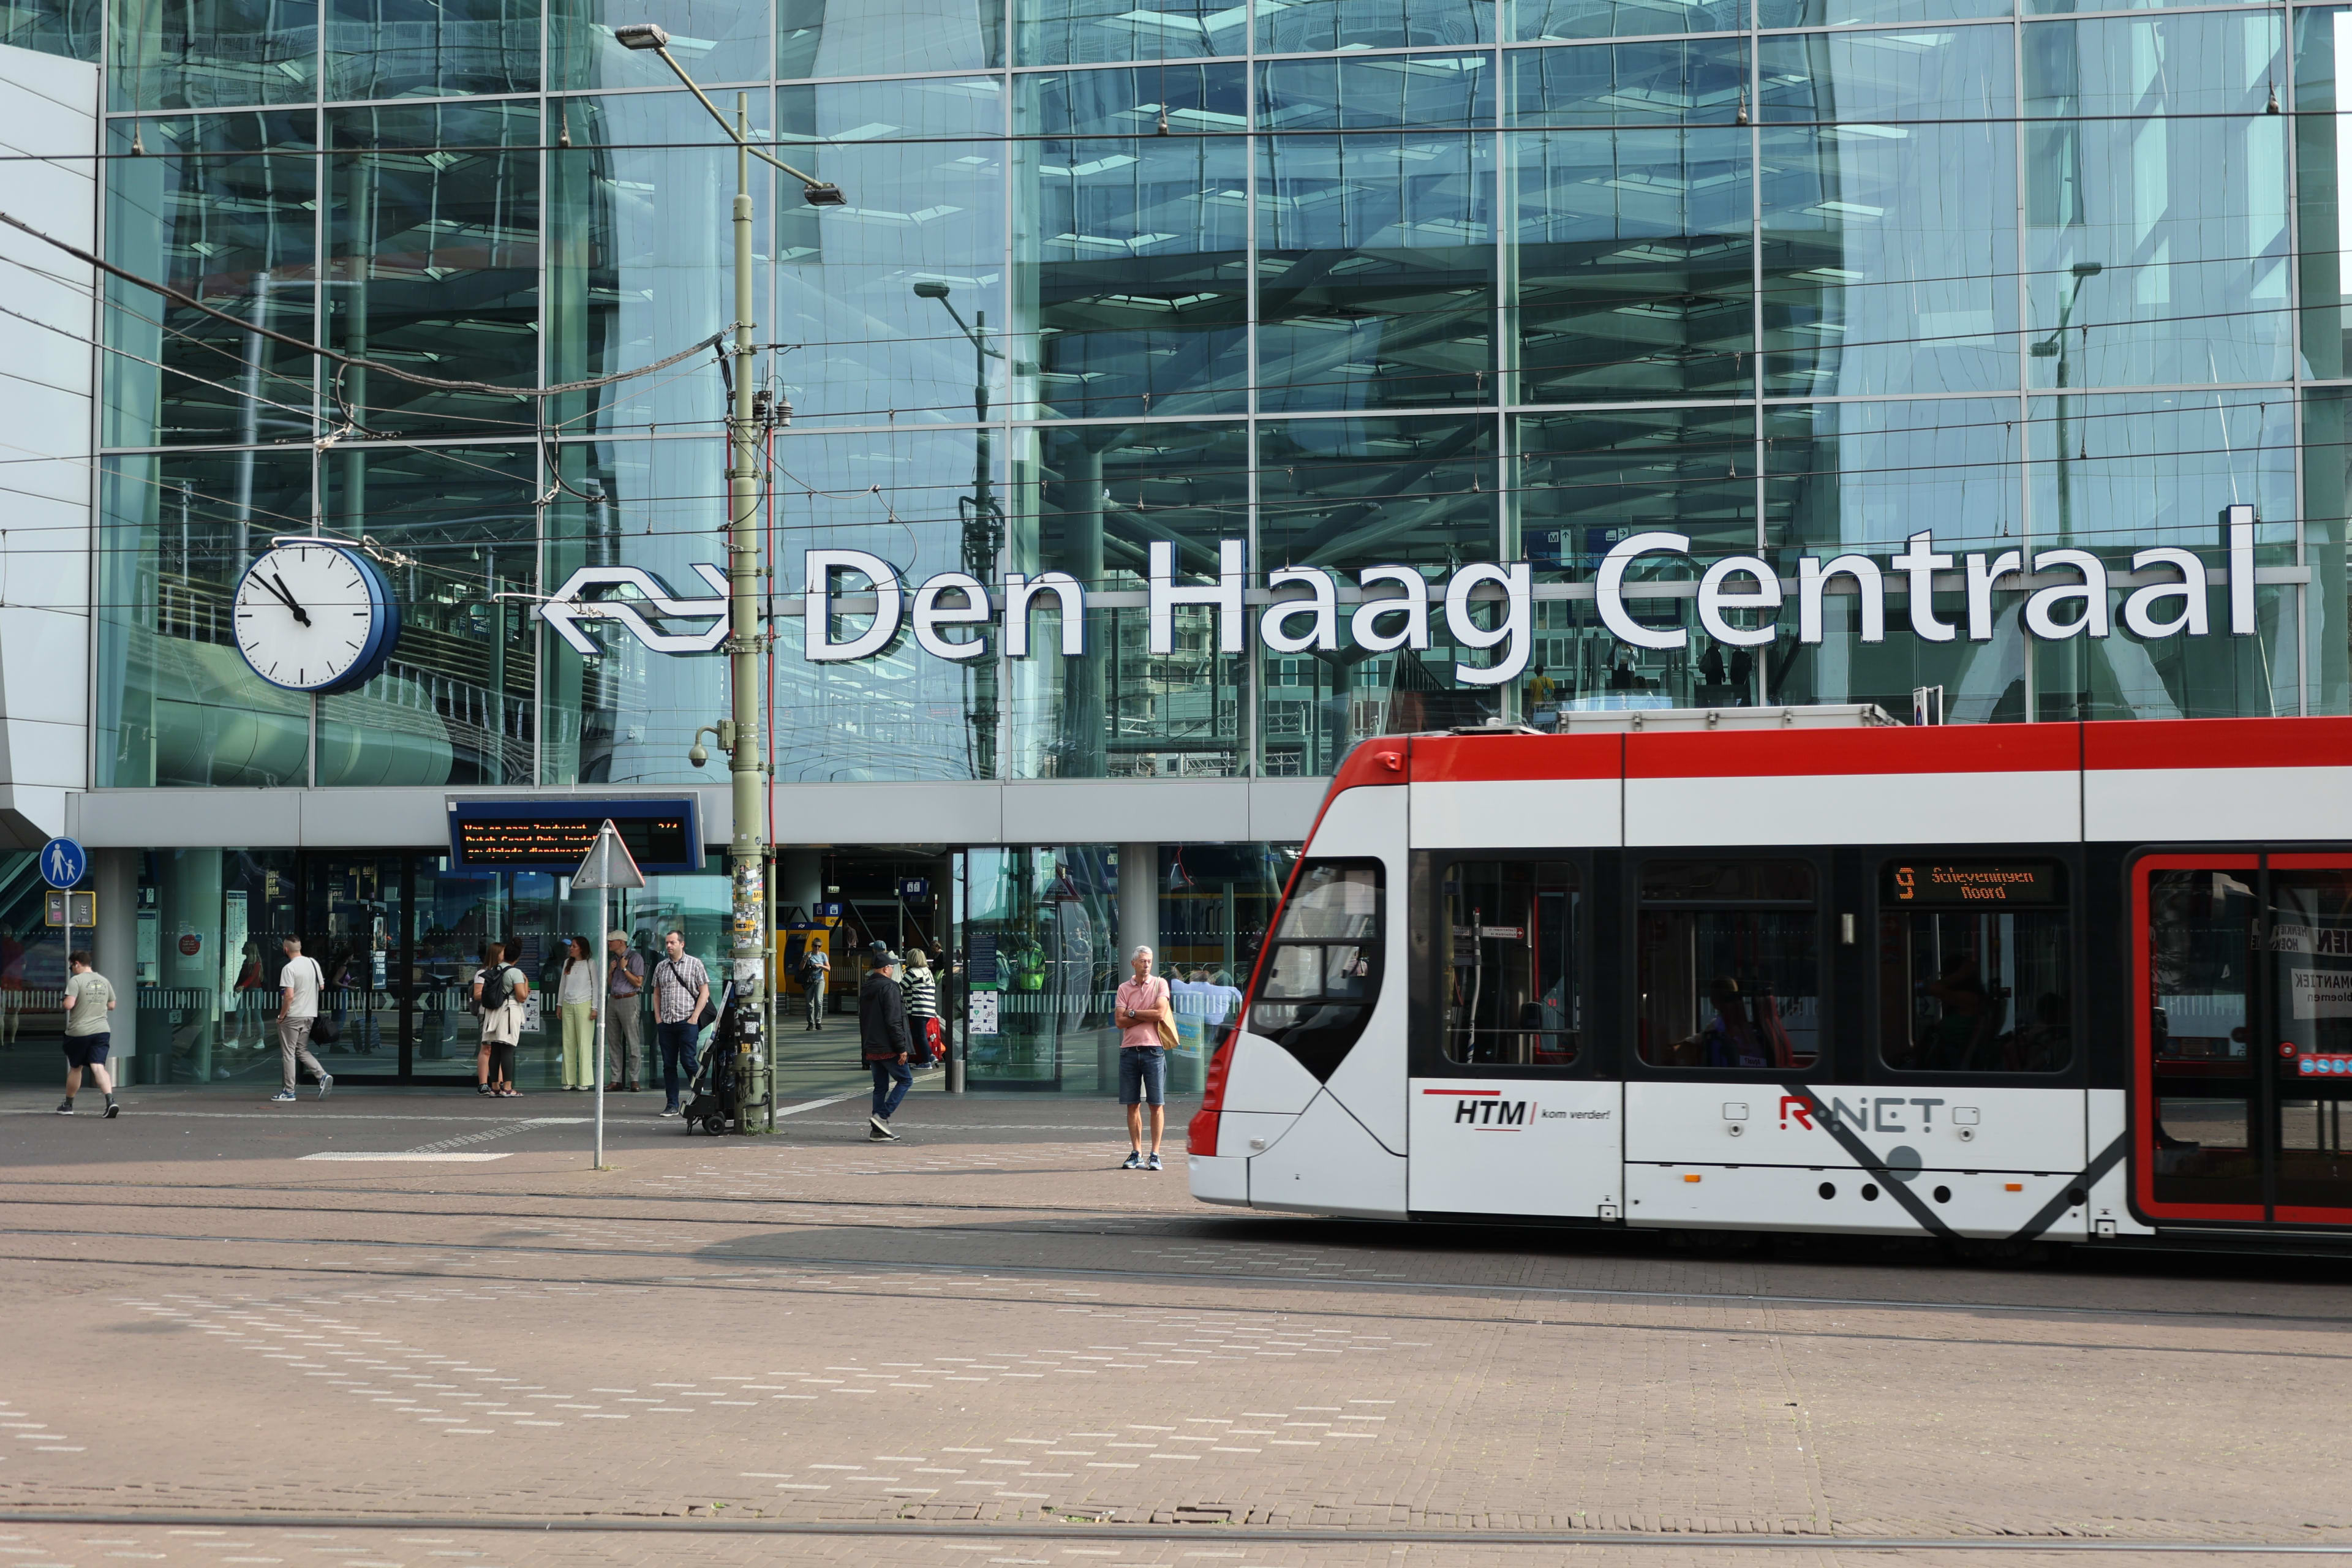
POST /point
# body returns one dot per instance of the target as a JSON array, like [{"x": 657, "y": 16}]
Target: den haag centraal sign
[{"x": 953, "y": 613}]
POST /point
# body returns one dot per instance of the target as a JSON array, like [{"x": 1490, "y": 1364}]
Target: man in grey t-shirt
[{"x": 89, "y": 1031}]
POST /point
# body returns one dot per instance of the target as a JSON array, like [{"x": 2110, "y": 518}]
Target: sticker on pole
[
  {"x": 608, "y": 863},
  {"x": 63, "y": 861}
]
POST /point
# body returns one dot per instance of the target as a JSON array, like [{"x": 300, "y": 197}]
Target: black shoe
[
  {"x": 64, "y": 1106},
  {"x": 112, "y": 1110}
]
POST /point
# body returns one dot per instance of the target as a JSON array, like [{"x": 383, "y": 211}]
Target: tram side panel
[{"x": 1336, "y": 1144}]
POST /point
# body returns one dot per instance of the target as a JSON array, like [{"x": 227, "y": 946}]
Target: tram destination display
[
  {"x": 662, "y": 835},
  {"x": 1971, "y": 884}
]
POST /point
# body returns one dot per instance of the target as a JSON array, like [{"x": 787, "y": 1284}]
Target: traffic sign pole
[{"x": 607, "y": 864}]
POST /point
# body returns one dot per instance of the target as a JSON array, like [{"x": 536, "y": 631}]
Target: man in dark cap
[{"x": 885, "y": 1044}]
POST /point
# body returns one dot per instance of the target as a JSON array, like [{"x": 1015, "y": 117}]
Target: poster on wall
[
  {"x": 984, "y": 1013},
  {"x": 232, "y": 947}
]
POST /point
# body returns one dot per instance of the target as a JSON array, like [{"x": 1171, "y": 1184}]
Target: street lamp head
[
  {"x": 823, "y": 194},
  {"x": 930, "y": 291},
  {"x": 642, "y": 35},
  {"x": 2088, "y": 269}
]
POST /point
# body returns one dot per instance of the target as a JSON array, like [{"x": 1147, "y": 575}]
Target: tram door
[{"x": 2244, "y": 1038}]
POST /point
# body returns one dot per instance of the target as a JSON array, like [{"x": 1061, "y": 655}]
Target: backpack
[{"x": 496, "y": 991}]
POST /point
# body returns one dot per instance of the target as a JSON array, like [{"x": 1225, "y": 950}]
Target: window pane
[
  {"x": 1726, "y": 881},
  {"x": 1508, "y": 934},
  {"x": 2200, "y": 962},
  {"x": 1966, "y": 991},
  {"x": 1295, "y": 972},
  {"x": 1333, "y": 899},
  {"x": 1730, "y": 988}
]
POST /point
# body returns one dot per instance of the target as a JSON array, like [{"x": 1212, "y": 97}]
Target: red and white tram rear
[{"x": 1796, "y": 970}]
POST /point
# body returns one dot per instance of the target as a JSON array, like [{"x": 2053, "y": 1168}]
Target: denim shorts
[{"x": 1143, "y": 1075}]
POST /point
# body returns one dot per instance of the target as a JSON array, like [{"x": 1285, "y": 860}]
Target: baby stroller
[{"x": 712, "y": 1106}]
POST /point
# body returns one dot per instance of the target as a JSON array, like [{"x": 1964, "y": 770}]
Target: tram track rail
[
  {"x": 1065, "y": 1528},
  {"x": 1144, "y": 1277}
]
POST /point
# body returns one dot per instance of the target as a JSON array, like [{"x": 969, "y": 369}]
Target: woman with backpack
[{"x": 500, "y": 992}]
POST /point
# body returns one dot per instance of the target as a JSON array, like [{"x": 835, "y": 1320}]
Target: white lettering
[
  {"x": 2091, "y": 593},
  {"x": 2139, "y": 609},
  {"x": 1920, "y": 564},
  {"x": 1321, "y": 609},
  {"x": 1714, "y": 598},
  {"x": 1071, "y": 598},
  {"x": 2238, "y": 522},
  {"x": 1225, "y": 597},
  {"x": 1981, "y": 579},
  {"x": 1609, "y": 590},
  {"x": 1511, "y": 635},
  {"x": 929, "y": 616},
  {"x": 1870, "y": 587},
  {"x": 816, "y": 632},
  {"x": 1364, "y": 626}
]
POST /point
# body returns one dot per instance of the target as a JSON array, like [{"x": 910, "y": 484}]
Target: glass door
[
  {"x": 353, "y": 924},
  {"x": 2245, "y": 1039},
  {"x": 2310, "y": 984}
]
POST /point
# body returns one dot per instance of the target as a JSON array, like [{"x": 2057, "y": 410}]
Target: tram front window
[
  {"x": 1729, "y": 964},
  {"x": 1324, "y": 973},
  {"x": 1510, "y": 936},
  {"x": 1973, "y": 967}
]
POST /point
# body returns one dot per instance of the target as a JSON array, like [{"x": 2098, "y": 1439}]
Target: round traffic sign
[{"x": 63, "y": 862}]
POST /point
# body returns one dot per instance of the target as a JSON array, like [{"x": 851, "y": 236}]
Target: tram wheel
[{"x": 2005, "y": 1254}]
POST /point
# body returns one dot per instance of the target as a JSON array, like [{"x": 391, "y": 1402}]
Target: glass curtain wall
[{"x": 1405, "y": 283}]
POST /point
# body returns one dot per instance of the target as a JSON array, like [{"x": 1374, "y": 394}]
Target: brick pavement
[{"x": 987, "y": 1324}]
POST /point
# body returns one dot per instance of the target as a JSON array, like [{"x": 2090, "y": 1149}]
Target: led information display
[
  {"x": 554, "y": 835},
  {"x": 1971, "y": 884}
]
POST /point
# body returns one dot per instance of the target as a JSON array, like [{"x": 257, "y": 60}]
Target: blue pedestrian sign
[{"x": 63, "y": 861}]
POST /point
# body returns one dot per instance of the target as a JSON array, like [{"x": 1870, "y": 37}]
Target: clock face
[{"x": 311, "y": 617}]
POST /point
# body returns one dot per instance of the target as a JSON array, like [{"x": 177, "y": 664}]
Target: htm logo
[{"x": 1495, "y": 1112}]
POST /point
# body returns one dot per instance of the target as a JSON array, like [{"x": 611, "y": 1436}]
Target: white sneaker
[{"x": 326, "y": 1084}]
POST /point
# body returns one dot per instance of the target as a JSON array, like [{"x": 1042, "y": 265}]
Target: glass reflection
[
  {"x": 1551, "y": 21},
  {"x": 857, "y": 38},
  {"x": 212, "y": 54},
  {"x": 1848, "y": 12},
  {"x": 1298, "y": 26},
  {"x": 433, "y": 256},
  {"x": 716, "y": 41},
  {"x": 431, "y": 49},
  {"x": 1634, "y": 264},
  {"x": 1375, "y": 271},
  {"x": 1962, "y": 73},
  {"x": 222, "y": 207},
  {"x": 453, "y": 705},
  {"x": 1087, "y": 32},
  {"x": 1134, "y": 291},
  {"x": 641, "y": 257},
  {"x": 1695, "y": 82},
  {"x": 176, "y": 702}
]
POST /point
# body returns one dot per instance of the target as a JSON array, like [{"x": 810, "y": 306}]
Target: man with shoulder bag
[
  {"x": 1147, "y": 1025},
  {"x": 299, "y": 984},
  {"x": 681, "y": 994}
]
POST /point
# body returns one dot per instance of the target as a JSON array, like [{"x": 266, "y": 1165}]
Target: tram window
[
  {"x": 1974, "y": 973},
  {"x": 1729, "y": 964},
  {"x": 2203, "y": 964},
  {"x": 1324, "y": 973},
  {"x": 1509, "y": 937}
]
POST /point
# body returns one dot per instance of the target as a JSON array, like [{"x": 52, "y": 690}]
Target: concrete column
[
  {"x": 1138, "y": 926},
  {"x": 1139, "y": 901},
  {"x": 114, "y": 948}
]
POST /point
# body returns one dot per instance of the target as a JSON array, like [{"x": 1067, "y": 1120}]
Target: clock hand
[{"x": 277, "y": 584}]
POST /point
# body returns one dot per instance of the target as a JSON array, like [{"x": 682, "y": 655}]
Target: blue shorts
[
  {"x": 87, "y": 1050},
  {"x": 1143, "y": 1075}
]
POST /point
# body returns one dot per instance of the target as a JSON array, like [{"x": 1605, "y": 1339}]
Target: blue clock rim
[{"x": 384, "y": 620}]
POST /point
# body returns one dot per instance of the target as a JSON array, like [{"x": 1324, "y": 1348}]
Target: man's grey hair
[{"x": 1142, "y": 947}]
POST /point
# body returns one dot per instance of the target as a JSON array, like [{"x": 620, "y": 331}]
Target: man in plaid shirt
[{"x": 681, "y": 990}]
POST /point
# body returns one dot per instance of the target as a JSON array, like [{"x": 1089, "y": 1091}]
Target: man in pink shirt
[{"x": 1143, "y": 1057}]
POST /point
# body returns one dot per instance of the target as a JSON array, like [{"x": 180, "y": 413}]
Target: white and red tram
[{"x": 1802, "y": 970}]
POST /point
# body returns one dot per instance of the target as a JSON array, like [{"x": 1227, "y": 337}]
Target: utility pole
[
  {"x": 747, "y": 853},
  {"x": 984, "y": 533}
]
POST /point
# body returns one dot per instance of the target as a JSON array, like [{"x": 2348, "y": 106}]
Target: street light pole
[
  {"x": 980, "y": 534},
  {"x": 747, "y": 872}
]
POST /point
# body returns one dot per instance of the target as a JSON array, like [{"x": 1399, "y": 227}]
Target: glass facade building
[{"x": 1361, "y": 282}]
